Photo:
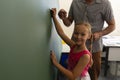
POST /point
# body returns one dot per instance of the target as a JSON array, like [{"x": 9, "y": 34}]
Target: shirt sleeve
[
  {"x": 108, "y": 12},
  {"x": 71, "y": 10}
]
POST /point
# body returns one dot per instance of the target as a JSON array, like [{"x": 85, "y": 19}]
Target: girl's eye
[{"x": 82, "y": 34}]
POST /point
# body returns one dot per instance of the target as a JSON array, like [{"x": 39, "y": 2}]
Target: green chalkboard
[{"x": 26, "y": 36}]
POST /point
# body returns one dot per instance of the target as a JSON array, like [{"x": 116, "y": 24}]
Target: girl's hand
[
  {"x": 53, "y": 58},
  {"x": 53, "y": 12}
]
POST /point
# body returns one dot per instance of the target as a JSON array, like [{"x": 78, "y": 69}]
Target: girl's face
[{"x": 81, "y": 34}]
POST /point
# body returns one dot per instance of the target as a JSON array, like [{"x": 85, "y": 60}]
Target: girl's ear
[{"x": 89, "y": 36}]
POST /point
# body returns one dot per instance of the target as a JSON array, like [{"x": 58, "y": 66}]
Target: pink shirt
[{"x": 74, "y": 58}]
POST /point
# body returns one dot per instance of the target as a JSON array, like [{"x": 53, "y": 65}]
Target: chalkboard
[{"x": 26, "y": 37}]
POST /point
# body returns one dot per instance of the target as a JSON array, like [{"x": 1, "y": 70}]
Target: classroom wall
[
  {"x": 65, "y": 4},
  {"x": 116, "y": 10},
  {"x": 27, "y": 35}
]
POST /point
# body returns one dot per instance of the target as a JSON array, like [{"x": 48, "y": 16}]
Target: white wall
[
  {"x": 65, "y": 4},
  {"x": 116, "y": 9}
]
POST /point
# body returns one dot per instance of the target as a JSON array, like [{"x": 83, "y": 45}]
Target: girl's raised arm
[{"x": 59, "y": 29}]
